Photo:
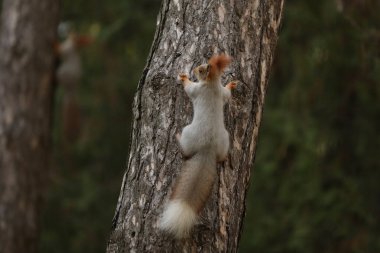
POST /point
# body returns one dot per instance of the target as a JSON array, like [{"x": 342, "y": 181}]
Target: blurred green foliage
[
  {"x": 315, "y": 186},
  {"x": 87, "y": 174}
]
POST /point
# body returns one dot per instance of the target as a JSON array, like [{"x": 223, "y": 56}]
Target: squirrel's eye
[{"x": 201, "y": 71}]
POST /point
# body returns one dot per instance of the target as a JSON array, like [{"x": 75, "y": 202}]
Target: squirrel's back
[{"x": 206, "y": 141}]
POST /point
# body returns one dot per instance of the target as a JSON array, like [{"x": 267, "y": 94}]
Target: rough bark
[
  {"x": 27, "y": 35},
  {"x": 188, "y": 33}
]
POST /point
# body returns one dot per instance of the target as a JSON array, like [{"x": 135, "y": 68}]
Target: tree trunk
[
  {"x": 188, "y": 33},
  {"x": 27, "y": 34}
]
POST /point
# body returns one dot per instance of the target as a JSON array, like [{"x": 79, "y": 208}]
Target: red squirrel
[
  {"x": 204, "y": 143},
  {"x": 69, "y": 75}
]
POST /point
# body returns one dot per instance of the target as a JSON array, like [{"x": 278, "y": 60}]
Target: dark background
[{"x": 315, "y": 183}]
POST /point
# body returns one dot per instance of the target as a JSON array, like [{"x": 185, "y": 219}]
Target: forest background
[{"x": 315, "y": 182}]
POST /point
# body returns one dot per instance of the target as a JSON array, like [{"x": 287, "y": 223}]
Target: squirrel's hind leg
[
  {"x": 178, "y": 138},
  {"x": 222, "y": 147}
]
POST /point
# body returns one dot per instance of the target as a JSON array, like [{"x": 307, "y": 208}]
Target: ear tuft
[{"x": 217, "y": 65}]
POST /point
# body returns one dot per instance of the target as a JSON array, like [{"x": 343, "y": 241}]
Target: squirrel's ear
[{"x": 208, "y": 69}]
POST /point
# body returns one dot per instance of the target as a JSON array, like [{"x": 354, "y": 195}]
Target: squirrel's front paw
[
  {"x": 183, "y": 77},
  {"x": 232, "y": 85}
]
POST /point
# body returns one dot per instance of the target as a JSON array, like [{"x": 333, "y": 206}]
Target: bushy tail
[
  {"x": 190, "y": 194},
  {"x": 217, "y": 64}
]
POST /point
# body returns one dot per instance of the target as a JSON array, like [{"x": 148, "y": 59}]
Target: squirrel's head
[
  {"x": 214, "y": 69},
  {"x": 201, "y": 72}
]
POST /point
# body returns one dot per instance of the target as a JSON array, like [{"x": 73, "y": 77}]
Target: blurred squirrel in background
[
  {"x": 69, "y": 75},
  {"x": 203, "y": 143}
]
